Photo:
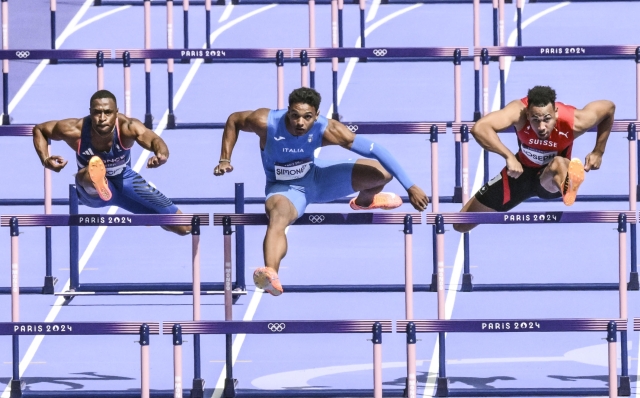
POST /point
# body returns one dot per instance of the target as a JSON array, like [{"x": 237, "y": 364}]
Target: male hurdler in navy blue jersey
[
  {"x": 102, "y": 142},
  {"x": 288, "y": 139}
]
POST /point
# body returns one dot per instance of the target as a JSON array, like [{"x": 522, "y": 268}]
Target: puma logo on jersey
[
  {"x": 278, "y": 138},
  {"x": 566, "y": 135}
]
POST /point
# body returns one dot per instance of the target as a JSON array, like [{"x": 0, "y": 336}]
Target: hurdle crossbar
[
  {"x": 278, "y": 327},
  {"x": 78, "y": 220},
  {"x": 611, "y": 326},
  {"x": 17, "y": 329}
]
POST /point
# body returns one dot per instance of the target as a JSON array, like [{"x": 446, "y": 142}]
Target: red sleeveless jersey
[{"x": 535, "y": 152}]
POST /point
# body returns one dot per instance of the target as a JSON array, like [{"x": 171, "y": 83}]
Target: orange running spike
[
  {"x": 575, "y": 176},
  {"x": 383, "y": 200},
  {"x": 97, "y": 174}
]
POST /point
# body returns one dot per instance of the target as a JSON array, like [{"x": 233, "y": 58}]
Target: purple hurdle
[{"x": 611, "y": 326}]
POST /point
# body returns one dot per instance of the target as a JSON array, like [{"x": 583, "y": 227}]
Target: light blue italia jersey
[{"x": 286, "y": 157}]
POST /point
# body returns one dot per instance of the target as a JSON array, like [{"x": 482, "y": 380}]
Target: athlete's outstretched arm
[
  {"x": 55, "y": 130},
  {"x": 485, "y": 131},
  {"x": 148, "y": 140},
  {"x": 600, "y": 113},
  {"x": 249, "y": 121},
  {"x": 337, "y": 133}
]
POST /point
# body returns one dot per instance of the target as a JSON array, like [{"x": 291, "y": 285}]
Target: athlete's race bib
[
  {"x": 538, "y": 156},
  {"x": 115, "y": 166},
  {"x": 293, "y": 170}
]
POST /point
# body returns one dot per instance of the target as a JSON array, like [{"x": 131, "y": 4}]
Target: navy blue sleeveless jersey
[{"x": 115, "y": 160}]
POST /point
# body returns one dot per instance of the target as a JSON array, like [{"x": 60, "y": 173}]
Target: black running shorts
[{"x": 503, "y": 193}]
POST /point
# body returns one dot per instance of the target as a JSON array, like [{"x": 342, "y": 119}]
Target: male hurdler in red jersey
[{"x": 542, "y": 166}]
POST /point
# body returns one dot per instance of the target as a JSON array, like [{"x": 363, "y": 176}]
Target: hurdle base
[
  {"x": 316, "y": 393},
  {"x": 229, "y": 388},
  {"x": 16, "y": 388},
  {"x": 354, "y": 288},
  {"x": 197, "y": 390},
  {"x": 171, "y": 121},
  {"x": 624, "y": 386},
  {"x": 476, "y": 116},
  {"x": 519, "y": 287},
  {"x": 467, "y": 285},
  {"x": 442, "y": 387},
  {"x": 457, "y": 195},
  {"x": 633, "y": 284},
  {"x": 6, "y": 120},
  {"x": 527, "y": 392},
  {"x": 434, "y": 283},
  {"x": 148, "y": 121},
  {"x": 49, "y": 283}
]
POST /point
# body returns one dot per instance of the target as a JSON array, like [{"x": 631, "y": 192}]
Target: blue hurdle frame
[
  {"x": 553, "y": 325},
  {"x": 276, "y": 327},
  {"x": 114, "y": 288},
  {"x": 16, "y": 329}
]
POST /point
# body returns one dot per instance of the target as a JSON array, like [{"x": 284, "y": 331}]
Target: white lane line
[
  {"x": 434, "y": 365},
  {"x": 69, "y": 32},
  {"x": 57, "y": 306},
  {"x": 373, "y": 11},
  {"x": 226, "y": 13}
]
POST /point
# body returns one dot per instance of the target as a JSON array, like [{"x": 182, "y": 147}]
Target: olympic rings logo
[
  {"x": 380, "y": 52},
  {"x": 22, "y": 54},
  {"x": 352, "y": 127},
  {"x": 316, "y": 219},
  {"x": 276, "y": 327}
]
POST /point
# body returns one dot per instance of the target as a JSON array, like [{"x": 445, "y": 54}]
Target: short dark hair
[
  {"x": 100, "y": 94},
  {"x": 541, "y": 96},
  {"x": 305, "y": 95}
]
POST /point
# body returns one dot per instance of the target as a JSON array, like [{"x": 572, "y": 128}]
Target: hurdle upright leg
[
  {"x": 240, "y": 243},
  {"x": 148, "y": 118},
  {"x": 280, "y": 78},
  {"x": 126, "y": 64},
  {"x": 634, "y": 283},
  {"x": 49, "y": 280},
  {"x": 457, "y": 118},
  {"x": 14, "y": 231},
  {"x": 304, "y": 69},
  {"x": 171, "y": 118},
  {"x": 144, "y": 361},
  {"x": 362, "y": 8},
  {"x": 411, "y": 386},
  {"x": 52, "y": 9},
  {"x": 177, "y": 360},
  {"x": 312, "y": 42},
  {"x": 6, "y": 120},
  {"x": 625, "y": 382},
  {"x": 185, "y": 17},
  {"x": 229, "y": 382},
  {"x": 74, "y": 247},
  {"x": 377, "y": 360},
  {"x": 198, "y": 383},
  {"x": 485, "y": 105},
  {"x": 207, "y": 16},
  {"x": 476, "y": 60},
  {"x": 612, "y": 356}
]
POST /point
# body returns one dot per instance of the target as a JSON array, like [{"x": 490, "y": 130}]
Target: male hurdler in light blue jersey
[{"x": 288, "y": 139}]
